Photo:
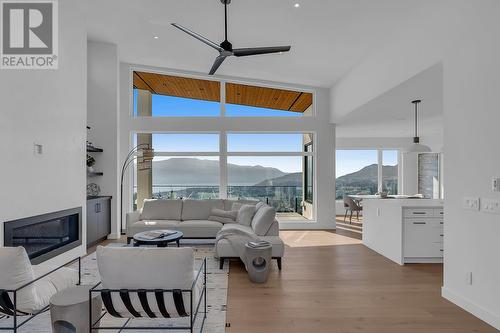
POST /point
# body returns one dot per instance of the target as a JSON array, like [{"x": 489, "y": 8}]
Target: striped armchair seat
[{"x": 143, "y": 282}]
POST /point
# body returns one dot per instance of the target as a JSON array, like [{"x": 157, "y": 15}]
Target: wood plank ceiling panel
[
  {"x": 260, "y": 97},
  {"x": 139, "y": 83},
  {"x": 278, "y": 99},
  {"x": 302, "y": 103},
  {"x": 180, "y": 86}
]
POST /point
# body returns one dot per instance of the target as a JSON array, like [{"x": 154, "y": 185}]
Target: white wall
[
  {"x": 472, "y": 158},
  {"x": 461, "y": 34},
  {"x": 102, "y": 117},
  {"x": 416, "y": 47},
  {"x": 47, "y": 107},
  {"x": 319, "y": 124}
]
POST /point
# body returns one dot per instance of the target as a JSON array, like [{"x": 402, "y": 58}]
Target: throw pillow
[
  {"x": 221, "y": 219},
  {"x": 230, "y": 214},
  {"x": 236, "y": 206},
  {"x": 245, "y": 215},
  {"x": 259, "y": 205},
  {"x": 263, "y": 219}
]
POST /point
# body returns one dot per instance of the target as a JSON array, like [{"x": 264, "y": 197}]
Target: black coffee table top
[{"x": 172, "y": 236}]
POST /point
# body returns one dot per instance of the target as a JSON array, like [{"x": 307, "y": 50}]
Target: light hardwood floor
[{"x": 332, "y": 283}]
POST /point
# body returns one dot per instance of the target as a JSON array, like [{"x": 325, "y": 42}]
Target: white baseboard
[
  {"x": 113, "y": 236},
  {"x": 469, "y": 306}
]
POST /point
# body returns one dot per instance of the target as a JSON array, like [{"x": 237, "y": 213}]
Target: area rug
[{"x": 217, "y": 281}]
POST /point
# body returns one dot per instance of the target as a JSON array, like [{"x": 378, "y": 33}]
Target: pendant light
[{"x": 417, "y": 147}]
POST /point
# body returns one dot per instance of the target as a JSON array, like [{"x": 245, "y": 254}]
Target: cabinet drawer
[
  {"x": 422, "y": 238},
  {"x": 438, "y": 212},
  {"x": 437, "y": 250},
  {"x": 418, "y": 212}
]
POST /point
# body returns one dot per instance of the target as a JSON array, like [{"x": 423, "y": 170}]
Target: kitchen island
[{"x": 404, "y": 230}]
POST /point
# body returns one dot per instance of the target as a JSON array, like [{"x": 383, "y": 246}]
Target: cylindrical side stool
[
  {"x": 69, "y": 310},
  {"x": 258, "y": 262}
]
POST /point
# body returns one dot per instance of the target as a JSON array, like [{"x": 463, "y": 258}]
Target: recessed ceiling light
[
  {"x": 297, "y": 5},
  {"x": 156, "y": 37}
]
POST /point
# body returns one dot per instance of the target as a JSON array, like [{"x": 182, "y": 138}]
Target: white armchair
[
  {"x": 150, "y": 282},
  {"x": 24, "y": 289}
]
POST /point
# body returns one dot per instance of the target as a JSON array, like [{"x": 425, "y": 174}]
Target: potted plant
[{"x": 90, "y": 163}]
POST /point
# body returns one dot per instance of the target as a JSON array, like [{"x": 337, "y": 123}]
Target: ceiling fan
[{"x": 226, "y": 48}]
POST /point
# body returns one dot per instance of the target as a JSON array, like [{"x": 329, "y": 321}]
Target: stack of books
[
  {"x": 157, "y": 234},
  {"x": 258, "y": 244}
]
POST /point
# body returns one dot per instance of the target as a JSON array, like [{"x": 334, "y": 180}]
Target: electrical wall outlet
[
  {"x": 495, "y": 184},
  {"x": 468, "y": 278},
  {"x": 491, "y": 206},
  {"x": 471, "y": 203},
  {"x": 37, "y": 149}
]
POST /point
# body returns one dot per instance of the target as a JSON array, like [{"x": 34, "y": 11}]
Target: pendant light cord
[
  {"x": 416, "y": 139},
  {"x": 416, "y": 119}
]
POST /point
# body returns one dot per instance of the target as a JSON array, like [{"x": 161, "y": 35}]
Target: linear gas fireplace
[{"x": 45, "y": 236}]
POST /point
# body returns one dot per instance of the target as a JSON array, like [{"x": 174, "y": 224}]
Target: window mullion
[
  {"x": 223, "y": 165},
  {"x": 380, "y": 170}
]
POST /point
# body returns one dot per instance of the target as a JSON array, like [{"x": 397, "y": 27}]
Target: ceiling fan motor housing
[{"x": 227, "y": 46}]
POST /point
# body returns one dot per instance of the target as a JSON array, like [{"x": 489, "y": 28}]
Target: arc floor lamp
[{"x": 144, "y": 155}]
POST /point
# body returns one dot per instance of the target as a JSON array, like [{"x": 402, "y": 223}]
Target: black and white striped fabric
[{"x": 134, "y": 280}]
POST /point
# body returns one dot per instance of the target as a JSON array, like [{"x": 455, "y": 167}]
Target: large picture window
[
  {"x": 365, "y": 171},
  {"x": 276, "y": 168}
]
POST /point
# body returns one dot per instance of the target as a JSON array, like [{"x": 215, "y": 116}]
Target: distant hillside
[
  {"x": 290, "y": 179},
  {"x": 368, "y": 174},
  {"x": 194, "y": 171}
]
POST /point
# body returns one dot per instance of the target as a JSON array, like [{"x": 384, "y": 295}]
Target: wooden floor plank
[{"x": 332, "y": 283}]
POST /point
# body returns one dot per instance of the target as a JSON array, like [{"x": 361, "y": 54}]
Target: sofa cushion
[
  {"x": 48, "y": 286},
  {"x": 238, "y": 227},
  {"x": 231, "y": 214},
  {"x": 263, "y": 219},
  {"x": 161, "y": 209},
  {"x": 147, "y": 225},
  {"x": 173, "y": 267},
  {"x": 225, "y": 249},
  {"x": 15, "y": 271},
  {"x": 199, "y": 209},
  {"x": 245, "y": 215},
  {"x": 221, "y": 219},
  {"x": 199, "y": 228},
  {"x": 228, "y": 203}
]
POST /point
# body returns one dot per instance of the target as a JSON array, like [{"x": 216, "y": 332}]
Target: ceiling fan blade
[
  {"x": 260, "y": 50},
  {"x": 198, "y": 37},
  {"x": 218, "y": 61}
]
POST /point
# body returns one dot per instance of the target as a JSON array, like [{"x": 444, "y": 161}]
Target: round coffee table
[{"x": 141, "y": 239}]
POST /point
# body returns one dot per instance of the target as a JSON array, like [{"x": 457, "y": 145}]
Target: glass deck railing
[{"x": 282, "y": 198}]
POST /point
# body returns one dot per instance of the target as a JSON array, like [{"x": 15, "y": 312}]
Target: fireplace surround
[{"x": 46, "y": 236}]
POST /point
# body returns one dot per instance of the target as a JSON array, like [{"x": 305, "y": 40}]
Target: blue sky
[
  {"x": 169, "y": 106},
  {"x": 349, "y": 161}
]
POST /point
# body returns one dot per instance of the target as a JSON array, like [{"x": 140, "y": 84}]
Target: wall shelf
[
  {"x": 94, "y": 174},
  {"x": 94, "y": 150}
]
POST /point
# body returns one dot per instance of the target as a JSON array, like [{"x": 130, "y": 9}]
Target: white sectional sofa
[{"x": 191, "y": 218}]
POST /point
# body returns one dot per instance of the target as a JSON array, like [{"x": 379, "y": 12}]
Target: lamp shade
[{"x": 418, "y": 148}]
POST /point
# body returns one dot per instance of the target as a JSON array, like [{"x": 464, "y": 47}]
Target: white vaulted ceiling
[{"x": 328, "y": 37}]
